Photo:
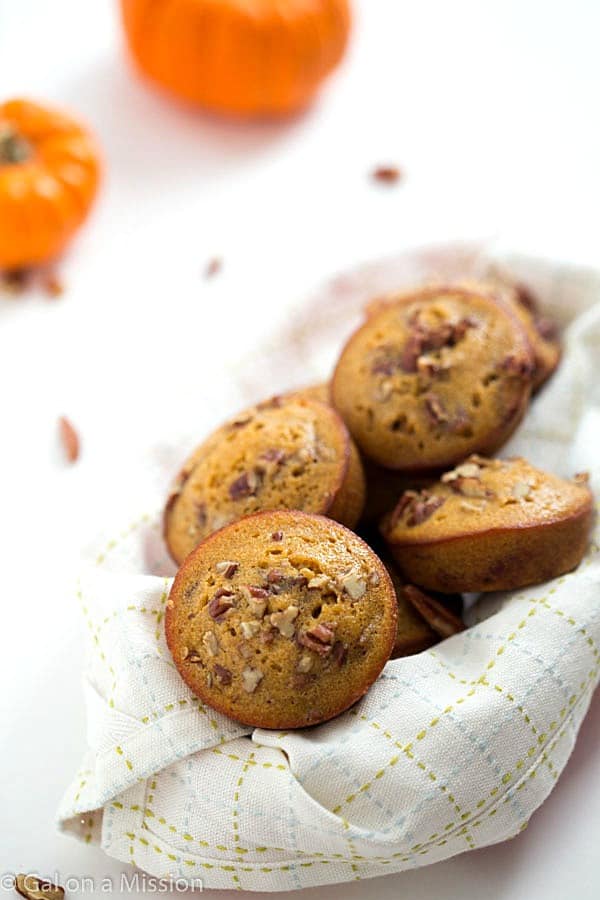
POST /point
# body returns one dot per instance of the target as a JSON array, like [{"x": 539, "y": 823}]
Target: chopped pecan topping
[
  {"x": 412, "y": 350},
  {"x": 250, "y": 629},
  {"x": 256, "y": 605},
  {"x": 423, "y": 340},
  {"x": 321, "y": 581},
  {"x": 517, "y": 366},
  {"x": 227, "y": 568},
  {"x": 470, "y": 487},
  {"x": 201, "y": 515},
  {"x": 443, "y": 622},
  {"x": 320, "y": 639},
  {"x": 256, "y": 591},
  {"x": 251, "y": 679},
  {"x": 246, "y": 485},
  {"x": 240, "y": 423},
  {"x": 284, "y": 621},
  {"x": 222, "y": 674},
  {"x": 277, "y": 536},
  {"x": 301, "y": 680},
  {"x": 191, "y": 656},
  {"x": 34, "y": 888},
  {"x": 521, "y": 490},
  {"x": 468, "y": 469},
  {"x": 305, "y": 663},
  {"x": 221, "y": 604},
  {"x": 415, "y": 508},
  {"x": 210, "y": 642},
  {"x": 354, "y": 584},
  {"x": 274, "y": 455},
  {"x": 339, "y": 653},
  {"x": 436, "y": 411},
  {"x": 280, "y": 581}
]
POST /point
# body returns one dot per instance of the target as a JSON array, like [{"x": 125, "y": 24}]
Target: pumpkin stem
[{"x": 14, "y": 149}]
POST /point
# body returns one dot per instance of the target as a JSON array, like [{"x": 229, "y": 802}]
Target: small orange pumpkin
[
  {"x": 248, "y": 57},
  {"x": 49, "y": 173}
]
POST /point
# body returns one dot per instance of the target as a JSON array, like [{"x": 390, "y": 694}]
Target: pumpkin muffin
[
  {"x": 281, "y": 619},
  {"x": 286, "y": 453},
  {"x": 490, "y": 525},
  {"x": 432, "y": 376}
]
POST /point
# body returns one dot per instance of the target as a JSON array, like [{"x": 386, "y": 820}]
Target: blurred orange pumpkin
[
  {"x": 248, "y": 57},
  {"x": 49, "y": 172}
]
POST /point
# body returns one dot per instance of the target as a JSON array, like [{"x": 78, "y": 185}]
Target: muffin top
[
  {"x": 433, "y": 376},
  {"x": 281, "y": 619},
  {"x": 485, "y": 495},
  {"x": 291, "y": 453}
]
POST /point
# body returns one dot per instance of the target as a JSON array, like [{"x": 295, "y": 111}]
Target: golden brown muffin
[
  {"x": 286, "y": 453},
  {"x": 490, "y": 525},
  {"x": 281, "y": 619},
  {"x": 432, "y": 376}
]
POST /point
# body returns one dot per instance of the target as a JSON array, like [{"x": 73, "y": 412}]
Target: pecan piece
[
  {"x": 277, "y": 536},
  {"x": 437, "y": 616},
  {"x": 517, "y": 366},
  {"x": 227, "y": 568},
  {"x": 415, "y": 508},
  {"x": 222, "y": 674},
  {"x": 220, "y": 604},
  {"x": 274, "y": 455},
  {"x": 339, "y": 653},
  {"x": 210, "y": 642},
  {"x": 470, "y": 487},
  {"x": 70, "y": 441},
  {"x": 320, "y": 639},
  {"x": 435, "y": 409},
  {"x": 354, "y": 584},
  {"x": 387, "y": 174},
  {"x": 246, "y": 485},
  {"x": 284, "y": 621},
  {"x": 251, "y": 679}
]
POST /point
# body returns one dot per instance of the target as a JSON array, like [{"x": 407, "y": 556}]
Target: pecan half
[{"x": 437, "y": 616}]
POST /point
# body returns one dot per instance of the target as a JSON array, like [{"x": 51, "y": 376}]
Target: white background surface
[{"x": 489, "y": 108}]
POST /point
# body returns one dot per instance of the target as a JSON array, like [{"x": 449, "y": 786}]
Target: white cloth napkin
[{"x": 450, "y": 750}]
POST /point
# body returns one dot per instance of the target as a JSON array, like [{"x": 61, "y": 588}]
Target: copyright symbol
[{"x": 7, "y": 881}]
